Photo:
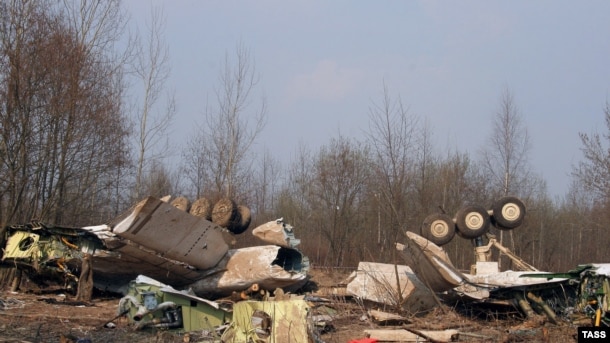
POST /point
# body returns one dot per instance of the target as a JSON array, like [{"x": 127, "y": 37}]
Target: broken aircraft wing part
[
  {"x": 581, "y": 270},
  {"x": 176, "y": 234},
  {"x": 379, "y": 283},
  {"x": 430, "y": 263},
  {"x": 113, "y": 272},
  {"x": 268, "y": 266},
  {"x": 277, "y": 232},
  {"x": 501, "y": 285},
  {"x": 509, "y": 278},
  {"x": 601, "y": 268}
]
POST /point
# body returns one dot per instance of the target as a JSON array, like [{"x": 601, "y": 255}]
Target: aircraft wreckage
[
  {"x": 163, "y": 242},
  {"x": 157, "y": 244},
  {"x": 578, "y": 296}
]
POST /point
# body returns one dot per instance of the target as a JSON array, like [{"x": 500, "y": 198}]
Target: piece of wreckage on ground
[{"x": 159, "y": 242}]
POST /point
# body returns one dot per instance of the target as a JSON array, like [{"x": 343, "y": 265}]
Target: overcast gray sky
[{"x": 323, "y": 63}]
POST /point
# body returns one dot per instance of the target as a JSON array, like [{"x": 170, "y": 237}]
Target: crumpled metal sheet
[
  {"x": 380, "y": 283},
  {"x": 269, "y": 266},
  {"x": 277, "y": 232}
]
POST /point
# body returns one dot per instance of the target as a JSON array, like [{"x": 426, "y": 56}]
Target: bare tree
[
  {"x": 394, "y": 141},
  {"x": 333, "y": 188},
  {"x": 589, "y": 195},
  {"x": 505, "y": 157},
  {"x": 229, "y": 129},
  {"x": 593, "y": 173},
  {"x": 62, "y": 130},
  {"x": 196, "y": 167},
  {"x": 293, "y": 202},
  {"x": 158, "y": 181},
  {"x": 425, "y": 162},
  {"x": 152, "y": 70},
  {"x": 266, "y": 184}
]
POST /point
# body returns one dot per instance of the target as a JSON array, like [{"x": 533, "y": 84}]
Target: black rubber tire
[
  {"x": 507, "y": 213},
  {"x": 242, "y": 220},
  {"x": 472, "y": 221},
  {"x": 438, "y": 228}
]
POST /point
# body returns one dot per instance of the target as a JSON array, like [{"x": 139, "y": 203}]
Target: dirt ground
[{"x": 52, "y": 316}]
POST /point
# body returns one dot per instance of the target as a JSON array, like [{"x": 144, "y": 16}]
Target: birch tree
[
  {"x": 151, "y": 68},
  {"x": 506, "y": 155}
]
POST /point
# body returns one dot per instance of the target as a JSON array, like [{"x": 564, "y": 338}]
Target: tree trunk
[{"x": 85, "y": 281}]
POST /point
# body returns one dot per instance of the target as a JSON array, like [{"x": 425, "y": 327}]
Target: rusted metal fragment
[
  {"x": 277, "y": 232},
  {"x": 268, "y": 266},
  {"x": 393, "y": 285},
  {"x": 176, "y": 234}
]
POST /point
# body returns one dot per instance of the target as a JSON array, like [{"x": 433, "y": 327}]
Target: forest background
[{"x": 78, "y": 147}]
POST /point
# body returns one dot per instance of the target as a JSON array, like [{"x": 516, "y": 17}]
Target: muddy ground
[{"x": 50, "y": 315}]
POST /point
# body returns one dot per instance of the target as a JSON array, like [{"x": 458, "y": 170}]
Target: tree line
[{"x": 83, "y": 136}]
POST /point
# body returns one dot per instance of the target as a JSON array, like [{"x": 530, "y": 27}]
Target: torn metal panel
[
  {"x": 55, "y": 254},
  {"x": 277, "y": 232},
  {"x": 380, "y": 283},
  {"x": 501, "y": 286},
  {"x": 508, "y": 278},
  {"x": 269, "y": 322},
  {"x": 268, "y": 266},
  {"x": 176, "y": 234},
  {"x": 601, "y": 268},
  {"x": 114, "y": 271},
  {"x": 152, "y": 304},
  {"x": 48, "y": 253},
  {"x": 430, "y": 263}
]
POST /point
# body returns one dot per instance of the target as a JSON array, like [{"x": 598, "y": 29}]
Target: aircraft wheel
[
  {"x": 242, "y": 220},
  {"x": 438, "y": 228},
  {"x": 224, "y": 212},
  {"x": 507, "y": 213},
  {"x": 472, "y": 221}
]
